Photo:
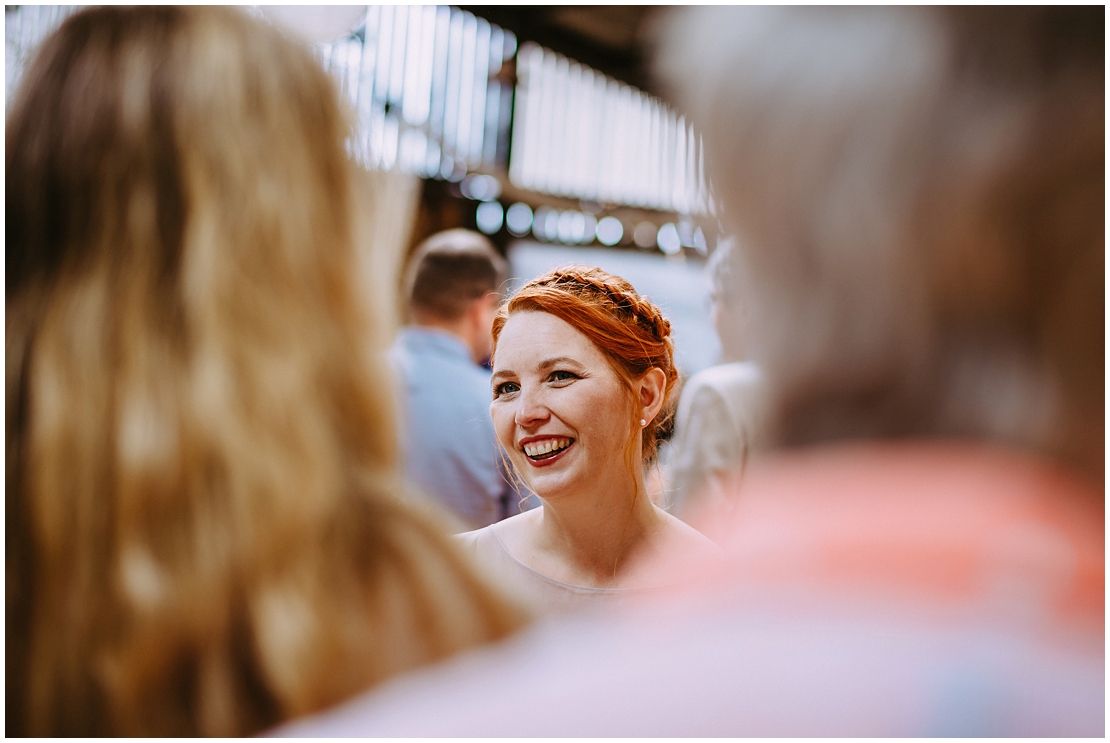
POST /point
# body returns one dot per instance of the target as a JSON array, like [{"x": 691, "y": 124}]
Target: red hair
[{"x": 628, "y": 329}]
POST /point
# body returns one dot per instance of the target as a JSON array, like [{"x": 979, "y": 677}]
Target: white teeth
[{"x": 546, "y": 446}]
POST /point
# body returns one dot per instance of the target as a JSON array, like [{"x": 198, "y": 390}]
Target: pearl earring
[{"x": 642, "y": 423}]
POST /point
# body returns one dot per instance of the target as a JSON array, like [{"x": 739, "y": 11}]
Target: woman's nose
[{"x": 531, "y": 409}]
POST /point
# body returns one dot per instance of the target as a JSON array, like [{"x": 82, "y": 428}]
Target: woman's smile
[{"x": 544, "y": 450}]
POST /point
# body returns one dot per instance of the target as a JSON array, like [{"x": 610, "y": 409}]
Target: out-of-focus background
[{"x": 535, "y": 125}]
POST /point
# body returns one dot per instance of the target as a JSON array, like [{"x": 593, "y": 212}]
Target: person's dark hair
[{"x": 451, "y": 269}]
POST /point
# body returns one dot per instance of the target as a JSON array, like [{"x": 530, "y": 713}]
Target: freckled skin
[{"x": 550, "y": 379}]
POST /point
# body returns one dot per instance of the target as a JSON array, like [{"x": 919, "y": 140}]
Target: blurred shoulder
[
  {"x": 500, "y": 535},
  {"x": 473, "y": 540},
  {"x": 729, "y": 398},
  {"x": 680, "y": 536},
  {"x": 725, "y": 377},
  {"x": 517, "y": 532}
]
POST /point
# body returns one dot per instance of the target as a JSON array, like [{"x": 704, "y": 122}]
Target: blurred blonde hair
[
  {"x": 918, "y": 195},
  {"x": 204, "y": 529}
]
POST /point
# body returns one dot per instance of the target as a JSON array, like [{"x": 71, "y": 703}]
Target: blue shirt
[{"x": 449, "y": 443}]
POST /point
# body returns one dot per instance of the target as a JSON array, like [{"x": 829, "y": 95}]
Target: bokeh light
[
  {"x": 609, "y": 231},
  {"x": 489, "y": 217},
  {"x": 539, "y": 223},
  {"x": 588, "y": 227},
  {"x": 577, "y": 227},
  {"x": 480, "y": 187},
  {"x": 551, "y": 225},
  {"x": 518, "y": 219},
  {"x": 667, "y": 239},
  {"x": 644, "y": 235},
  {"x": 565, "y": 228}
]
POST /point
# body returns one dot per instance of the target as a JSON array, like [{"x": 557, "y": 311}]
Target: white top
[
  {"x": 717, "y": 424},
  {"x": 544, "y": 595}
]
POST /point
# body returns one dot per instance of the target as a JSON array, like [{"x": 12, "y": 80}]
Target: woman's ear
[{"x": 653, "y": 387}]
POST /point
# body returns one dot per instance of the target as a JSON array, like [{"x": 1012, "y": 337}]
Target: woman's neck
[{"x": 588, "y": 538}]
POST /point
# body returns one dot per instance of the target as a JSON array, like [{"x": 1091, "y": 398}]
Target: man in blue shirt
[{"x": 452, "y": 286}]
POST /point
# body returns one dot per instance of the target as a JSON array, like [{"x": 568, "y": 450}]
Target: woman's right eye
[{"x": 505, "y": 388}]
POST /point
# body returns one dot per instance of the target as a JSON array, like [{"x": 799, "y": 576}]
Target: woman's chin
[{"x": 549, "y": 489}]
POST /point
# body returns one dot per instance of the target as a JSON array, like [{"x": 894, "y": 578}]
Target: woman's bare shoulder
[
  {"x": 678, "y": 535},
  {"x": 515, "y": 531}
]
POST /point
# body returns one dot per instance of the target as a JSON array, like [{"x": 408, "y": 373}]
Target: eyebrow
[
  {"x": 543, "y": 366},
  {"x": 556, "y": 361}
]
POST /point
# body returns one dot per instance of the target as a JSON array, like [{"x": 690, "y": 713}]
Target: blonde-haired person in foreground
[
  {"x": 204, "y": 532},
  {"x": 918, "y": 194}
]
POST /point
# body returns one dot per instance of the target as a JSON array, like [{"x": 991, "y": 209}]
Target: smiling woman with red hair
[{"x": 583, "y": 376}]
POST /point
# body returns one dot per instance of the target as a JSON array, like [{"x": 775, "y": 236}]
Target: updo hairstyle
[{"x": 627, "y": 328}]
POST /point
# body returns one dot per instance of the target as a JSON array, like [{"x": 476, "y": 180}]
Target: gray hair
[{"x": 918, "y": 199}]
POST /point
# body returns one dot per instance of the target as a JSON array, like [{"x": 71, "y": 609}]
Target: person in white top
[
  {"x": 583, "y": 370},
  {"x": 720, "y": 408}
]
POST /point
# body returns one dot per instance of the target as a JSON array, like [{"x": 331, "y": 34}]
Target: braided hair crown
[
  {"x": 626, "y": 302},
  {"x": 627, "y": 327}
]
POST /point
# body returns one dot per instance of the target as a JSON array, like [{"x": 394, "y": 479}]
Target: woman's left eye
[{"x": 562, "y": 376}]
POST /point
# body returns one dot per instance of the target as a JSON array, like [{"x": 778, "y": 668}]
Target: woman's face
[{"x": 559, "y": 408}]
